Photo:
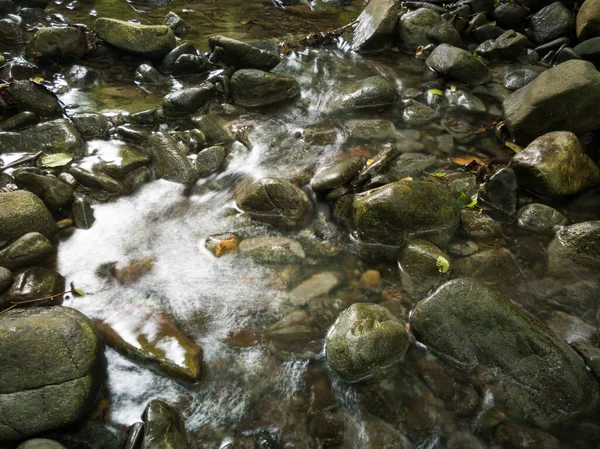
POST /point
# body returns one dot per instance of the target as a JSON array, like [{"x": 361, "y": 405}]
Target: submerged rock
[
  {"x": 272, "y": 250},
  {"x": 371, "y": 93},
  {"x": 500, "y": 191},
  {"x": 274, "y": 201},
  {"x": 27, "y": 250},
  {"x": 317, "y": 285},
  {"x": 562, "y": 98},
  {"x": 22, "y": 212},
  {"x": 375, "y": 28},
  {"x": 458, "y": 64},
  {"x": 364, "y": 341},
  {"x": 53, "y": 367},
  {"x": 150, "y": 41},
  {"x": 555, "y": 165},
  {"x": 242, "y": 55},
  {"x": 254, "y": 88},
  {"x": 402, "y": 209},
  {"x": 164, "y": 428},
  {"x": 148, "y": 336},
  {"x": 337, "y": 175},
  {"x": 540, "y": 218},
  {"x": 578, "y": 243},
  {"x": 423, "y": 266},
  {"x": 476, "y": 328},
  {"x": 423, "y": 27}
]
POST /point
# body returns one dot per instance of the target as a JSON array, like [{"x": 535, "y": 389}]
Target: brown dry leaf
[{"x": 469, "y": 160}]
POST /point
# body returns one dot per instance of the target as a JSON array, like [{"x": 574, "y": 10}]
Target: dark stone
[
  {"x": 80, "y": 76},
  {"x": 458, "y": 64},
  {"x": 26, "y": 250},
  {"x": 190, "y": 65},
  {"x": 423, "y": 266},
  {"x": 241, "y": 55},
  {"x": 52, "y": 191},
  {"x": 146, "y": 74},
  {"x": 166, "y": 65},
  {"x": 510, "y": 15},
  {"x": 91, "y": 435},
  {"x": 30, "y": 96},
  {"x": 565, "y": 54},
  {"x": 500, "y": 192},
  {"x": 337, "y": 175},
  {"x": 22, "y": 212},
  {"x": 19, "y": 121},
  {"x": 179, "y": 26},
  {"x": 83, "y": 214},
  {"x": 487, "y": 32},
  {"x": 187, "y": 101},
  {"x": 509, "y": 46},
  {"x": 91, "y": 126},
  {"x": 517, "y": 76},
  {"x": 375, "y": 26},
  {"x": 169, "y": 159},
  {"x": 374, "y": 92},
  {"x": 551, "y": 22},
  {"x": 95, "y": 179},
  {"x": 254, "y": 88},
  {"x": 589, "y": 50},
  {"x": 164, "y": 427},
  {"x": 209, "y": 160}
]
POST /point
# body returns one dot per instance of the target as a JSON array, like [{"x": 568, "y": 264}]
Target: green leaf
[
  {"x": 465, "y": 201},
  {"x": 441, "y": 174},
  {"x": 56, "y": 160},
  {"x": 437, "y": 92},
  {"x": 77, "y": 291},
  {"x": 442, "y": 264}
]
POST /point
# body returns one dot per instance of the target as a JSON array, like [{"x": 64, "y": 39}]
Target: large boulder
[
  {"x": 588, "y": 20},
  {"x": 150, "y": 41},
  {"x": 563, "y": 98},
  {"x": 365, "y": 340},
  {"x": 242, "y": 55},
  {"x": 274, "y": 201},
  {"x": 424, "y": 27},
  {"x": 555, "y": 165},
  {"x": 402, "y": 209},
  {"x": 52, "y": 370},
  {"x": 52, "y": 191},
  {"x": 551, "y": 22},
  {"x": 458, "y": 64},
  {"x": 253, "y": 88},
  {"x": 66, "y": 43},
  {"x": 22, "y": 212},
  {"x": 375, "y": 27},
  {"x": 531, "y": 372}
]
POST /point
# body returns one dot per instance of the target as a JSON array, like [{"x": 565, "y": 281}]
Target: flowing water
[{"x": 264, "y": 384}]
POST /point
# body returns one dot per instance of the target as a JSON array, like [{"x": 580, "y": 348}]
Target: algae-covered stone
[
  {"x": 187, "y": 101},
  {"x": 164, "y": 428},
  {"x": 578, "y": 243},
  {"x": 364, "y": 340},
  {"x": 555, "y": 165},
  {"x": 58, "y": 43},
  {"x": 563, "y": 98},
  {"x": 402, "y": 209},
  {"x": 338, "y": 174},
  {"x": 151, "y": 41},
  {"x": 210, "y": 160},
  {"x": 458, "y": 64},
  {"x": 253, "y": 88},
  {"x": 125, "y": 161},
  {"x": 532, "y": 373},
  {"x": 27, "y": 95},
  {"x": 242, "y": 55},
  {"x": 22, "y": 212},
  {"x": 169, "y": 159},
  {"x": 52, "y": 191},
  {"x": 374, "y": 92},
  {"x": 423, "y": 266},
  {"x": 423, "y": 27},
  {"x": 272, "y": 250},
  {"x": 274, "y": 201},
  {"x": 6, "y": 278},
  {"x": 150, "y": 337},
  {"x": 27, "y": 250},
  {"x": 540, "y": 218},
  {"x": 52, "y": 370}
]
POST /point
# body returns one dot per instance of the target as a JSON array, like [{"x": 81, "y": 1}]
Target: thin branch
[
  {"x": 28, "y": 301},
  {"x": 22, "y": 160}
]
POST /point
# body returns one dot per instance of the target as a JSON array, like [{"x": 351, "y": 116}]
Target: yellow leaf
[
  {"x": 513, "y": 146},
  {"x": 442, "y": 264}
]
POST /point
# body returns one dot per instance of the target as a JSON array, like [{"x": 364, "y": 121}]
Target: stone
[
  {"x": 6, "y": 278},
  {"x": 410, "y": 164},
  {"x": 40, "y": 443},
  {"x": 337, "y": 175},
  {"x": 149, "y": 336},
  {"x": 210, "y": 159},
  {"x": 415, "y": 209},
  {"x": 561, "y": 98},
  {"x": 39, "y": 348},
  {"x": 19, "y": 121},
  {"x": 179, "y": 26},
  {"x": 91, "y": 126},
  {"x": 588, "y": 20},
  {"x": 83, "y": 214},
  {"x": 320, "y": 284},
  {"x": 515, "y": 436},
  {"x": 540, "y": 218},
  {"x": 479, "y": 226},
  {"x": 458, "y": 64},
  {"x": 52, "y": 191},
  {"x": 64, "y": 44},
  {"x": 518, "y": 76},
  {"x": 509, "y": 46},
  {"x": 169, "y": 159},
  {"x": 487, "y": 32},
  {"x": 150, "y": 41},
  {"x": 370, "y": 281},
  {"x": 91, "y": 435},
  {"x": 423, "y": 266},
  {"x": 589, "y": 50},
  {"x": 80, "y": 76},
  {"x": 475, "y": 327},
  {"x": 241, "y": 55},
  {"x": 272, "y": 250},
  {"x": 167, "y": 63},
  {"x": 164, "y": 428},
  {"x": 274, "y": 201},
  {"x": 375, "y": 27},
  {"x": 147, "y": 74},
  {"x": 577, "y": 243},
  {"x": 96, "y": 179},
  {"x": 551, "y": 22},
  {"x": 126, "y": 160},
  {"x": 22, "y": 212},
  {"x": 370, "y": 130},
  {"x": 423, "y": 27},
  {"x": 464, "y": 440},
  {"x": 56, "y": 136},
  {"x": 417, "y": 114},
  {"x": 364, "y": 341},
  {"x": 27, "y": 95},
  {"x": 555, "y": 165},
  {"x": 510, "y": 15},
  {"x": 26, "y": 250},
  {"x": 254, "y": 88},
  {"x": 34, "y": 283},
  {"x": 500, "y": 192},
  {"x": 374, "y": 92},
  {"x": 215, "y": 131},
  {"x": 190, "y": 65},
  {"x": 497, "y": 267},
  {"x": 186, "y": 101}
]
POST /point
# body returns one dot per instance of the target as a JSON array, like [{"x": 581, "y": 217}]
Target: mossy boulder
[
  {"x": 531, "y": 372},
  {"x": 52, "y": 191},
  {"x": 52, "y": 370},
  {"x": 22, "y": 212},
  {"x": 457, "y": 64},
  {"x": 68, "y": 43},
  {"x": 417, "y": 209},
  {"x": 169, "y": 159},
  {"x": 423, "y": 27},
  {"x": 253, "y": 88},
  {"x": 364, "y": 341},
  {"x": 150, "y": 41},
  {"x": 31, "y": 248},
  {"x": 242, "y": 55}
]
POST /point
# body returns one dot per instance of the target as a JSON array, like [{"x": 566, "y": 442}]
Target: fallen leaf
[
  {"x": 442, "y": 264},
  {"x": 56, "y": 160},
  {"x": 513, "y": 146}
]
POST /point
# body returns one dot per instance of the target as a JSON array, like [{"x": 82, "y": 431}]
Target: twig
[
  {"x": 319, "y": 39},
  {"x": 27, "y": 301},
  {"x": 22, "y": 160}
]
